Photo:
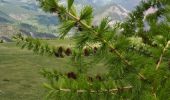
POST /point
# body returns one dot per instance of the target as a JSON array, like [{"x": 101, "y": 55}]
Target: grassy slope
[{"x": 19, "y": 71}]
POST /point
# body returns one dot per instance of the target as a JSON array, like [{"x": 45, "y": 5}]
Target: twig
[
  {"x": 161, "y": 57},
  {"x": 100, "y": 91},
  {"x": 104, "y": 41},
  {"x": 126, "y": 62}
]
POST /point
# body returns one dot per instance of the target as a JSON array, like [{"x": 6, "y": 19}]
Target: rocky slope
[{"x": 27, "y": 16}]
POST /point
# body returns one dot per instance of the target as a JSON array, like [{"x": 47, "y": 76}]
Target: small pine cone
[
  {"x": 53, "y": 10},
  {"x": 60, "y": 49},
  {"x": 60, "y": 52},
  {"x": 99, "y": 78},
  {"x": 90, "y": 79},
  {"x": 72, "y": 75},
  {"x": 78, "y": 26},
  {"x": 95, "y": 50},
  {"x": 68, "y": 52},
  {"x": 112, "y": 50},
  {"x": 56, "y": 54},
  {"x": 86, "y": 52}
]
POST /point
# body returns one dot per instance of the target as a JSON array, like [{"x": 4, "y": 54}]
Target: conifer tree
[{"x": 138, "y": 58}]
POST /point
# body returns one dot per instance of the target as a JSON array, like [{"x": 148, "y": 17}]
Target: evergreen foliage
[
  {"x": 138, "y": 59},
  {"x": 35, "y": 45}
]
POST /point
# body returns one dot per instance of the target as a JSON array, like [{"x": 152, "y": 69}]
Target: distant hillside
[
  {"x": 27, "y": 16},
  {"x": 4, "y": 18},
  {"x": 27, "y": 13}
]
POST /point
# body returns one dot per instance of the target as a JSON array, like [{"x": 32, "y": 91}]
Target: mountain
[
  {"x": 26, "y": 14},
  {"x": 116, "y": 10},
  {"x": 16, "y": 15},
  {"x": 113, "y": 11},
  {"x": 127, "y": 4},
  {"x": 4, "y": 18}
]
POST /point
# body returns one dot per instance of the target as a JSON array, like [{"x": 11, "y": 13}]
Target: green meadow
[{"x": 20, "y": 77}]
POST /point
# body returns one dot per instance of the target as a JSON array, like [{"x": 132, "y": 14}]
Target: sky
[{"x": 128, "y": 4}]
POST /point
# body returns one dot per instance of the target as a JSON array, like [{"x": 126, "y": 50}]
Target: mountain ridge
[{"x": 28, "y": 13}]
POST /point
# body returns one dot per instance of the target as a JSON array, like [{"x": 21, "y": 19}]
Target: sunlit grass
[{"x": 19, "y": 71}]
